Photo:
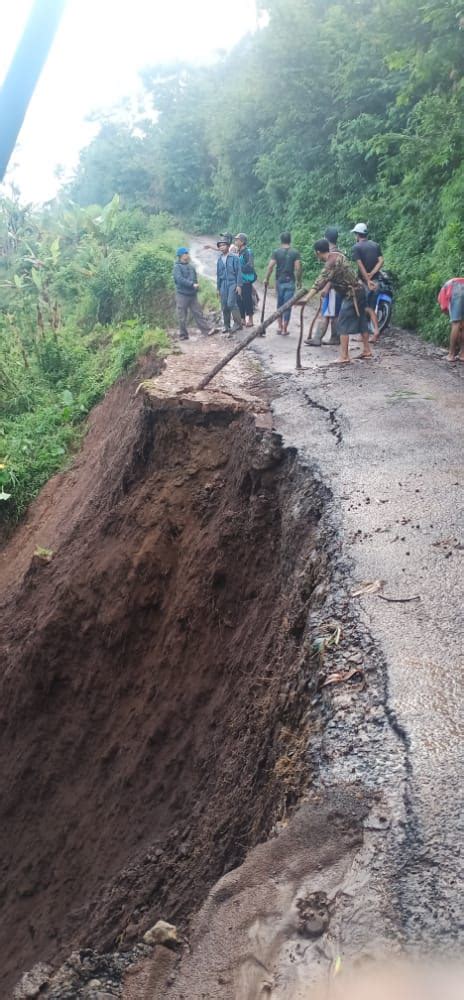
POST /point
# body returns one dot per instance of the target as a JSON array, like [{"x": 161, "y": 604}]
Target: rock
[
  {"x": 377, "y": 820},
  {"x": 74, "y": 961},
  {"x": 313, "y": 915},
  {"x": 162, "y": 933},
  {"x": 94, "y": 984},
  {"x": 32, "y": 982},
  {"x": 132, "y": 932}
]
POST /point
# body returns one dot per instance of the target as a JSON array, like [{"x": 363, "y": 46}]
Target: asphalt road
[{"x": 386, "y": 436}]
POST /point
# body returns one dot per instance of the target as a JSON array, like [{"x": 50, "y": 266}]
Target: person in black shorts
[
  {"x": 368, "y": 257},
  {"x": 338, "y": 274},
  {"x": 287, "y": 262},
  {"x": 330, "y": 301}
]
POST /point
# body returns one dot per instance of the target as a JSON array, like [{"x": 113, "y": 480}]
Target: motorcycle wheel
[{"x": 384, "y": 311}]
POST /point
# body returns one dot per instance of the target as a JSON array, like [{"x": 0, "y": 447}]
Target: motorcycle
[{"x": 384, "y": 302}]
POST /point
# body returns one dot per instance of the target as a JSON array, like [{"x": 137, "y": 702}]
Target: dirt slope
[{"x": 145, "y": 673}]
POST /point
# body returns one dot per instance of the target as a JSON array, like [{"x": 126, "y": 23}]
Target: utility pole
[{"x": 23, "y": 74}]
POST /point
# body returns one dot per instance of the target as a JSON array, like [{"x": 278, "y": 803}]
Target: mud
[
  {"x": 158, "y": 684},
  {"x": 272, "y": 906}
]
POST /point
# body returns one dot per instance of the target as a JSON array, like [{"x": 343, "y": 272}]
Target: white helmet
[{"x": 360, "y": 228}]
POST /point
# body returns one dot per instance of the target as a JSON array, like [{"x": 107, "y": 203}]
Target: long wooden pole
[
  {"x": 300, "y": 338},
  {"x": 299, "y": 366},
  {"x": 251, "y": 336},
  {"x": 264, "y": 302}
]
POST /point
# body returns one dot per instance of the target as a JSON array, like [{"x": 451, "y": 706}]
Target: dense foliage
[
  {"x": 82, "y": 293},
  {"x": 333, "y": 113},
  {"x": 336, "y": 112}
]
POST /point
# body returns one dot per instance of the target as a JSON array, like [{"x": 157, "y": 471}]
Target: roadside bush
[
  {"x": 149, "y": 282},
  {"x": 129, "y": 341},
  {"x": 108, "y": 289},
  {"x": 67, "y": 378},
  {"x": 80, "y": 299},
  {"x": 207, "y": 295}
]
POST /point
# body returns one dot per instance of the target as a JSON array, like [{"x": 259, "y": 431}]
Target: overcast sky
[{"x": 96, "y": 55}]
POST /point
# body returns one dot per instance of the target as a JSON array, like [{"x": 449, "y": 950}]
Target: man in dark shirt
[
  {"x": 186, "y": 284},
  {"x": 287, "y": 263},
  {"x": 338, "y": 274},
  {"x": 368, "y": 257}
]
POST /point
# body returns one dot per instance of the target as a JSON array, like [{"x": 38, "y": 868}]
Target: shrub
[{"x": 149, "y": 282}]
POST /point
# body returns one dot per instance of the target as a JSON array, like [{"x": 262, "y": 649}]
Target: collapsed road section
[
  {"x": 154, "y": 691},
  {"x": 188, "y": 704}
]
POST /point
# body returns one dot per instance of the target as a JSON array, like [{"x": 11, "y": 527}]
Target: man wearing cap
[
  {"x": 368, "y": 257},
  {"x": 229, "y": 284},
  {"x": 186, "y": 282}
]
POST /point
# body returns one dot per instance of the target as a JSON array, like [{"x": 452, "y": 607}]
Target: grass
[
  {"x": 207, "y": 295},
  {"x": 64, "y": 380}
]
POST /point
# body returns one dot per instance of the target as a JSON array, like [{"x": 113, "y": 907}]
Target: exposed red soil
[{"x": 145, "y": 673}]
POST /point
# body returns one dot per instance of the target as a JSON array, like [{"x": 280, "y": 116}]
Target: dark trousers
[
  {"x": 189, "y": 304},
  {"x": 245, "y": 300},
  {"x": 229, "y": 305}
]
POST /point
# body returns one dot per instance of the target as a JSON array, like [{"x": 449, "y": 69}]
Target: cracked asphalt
[{"x": 386, "y": 437}]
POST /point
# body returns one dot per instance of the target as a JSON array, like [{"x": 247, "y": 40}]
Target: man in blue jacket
[
  {"x": 229, "y": 284},
  {"x": 186, "y": 282}
]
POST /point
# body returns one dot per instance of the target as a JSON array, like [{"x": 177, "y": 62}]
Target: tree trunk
[{"x": 251, "y": 336}]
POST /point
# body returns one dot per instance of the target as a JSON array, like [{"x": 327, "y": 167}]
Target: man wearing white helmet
[{"x": 368, "y": 257}]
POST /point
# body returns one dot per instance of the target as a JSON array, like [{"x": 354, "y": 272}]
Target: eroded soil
[{"x": 153, "y": 716}]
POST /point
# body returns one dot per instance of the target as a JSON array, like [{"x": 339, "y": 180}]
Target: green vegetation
[
  {"x": 82, "y": 293},
  {"x": 334, "y": 113}
]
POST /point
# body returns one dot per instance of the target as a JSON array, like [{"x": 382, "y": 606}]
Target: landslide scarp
[{"x": 153, "y": 714}]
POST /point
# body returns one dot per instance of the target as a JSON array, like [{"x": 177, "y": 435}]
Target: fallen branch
[
  {"x": 251, "y": 336},
  {"x": 398, "y": 600},
  {"x": 367, "y": 587},
  {"x": 340, "y": 676}
]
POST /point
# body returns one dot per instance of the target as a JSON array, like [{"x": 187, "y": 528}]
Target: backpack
[
  {"x": 445, "y": 293},
  {"x": 246, "y": 258}
]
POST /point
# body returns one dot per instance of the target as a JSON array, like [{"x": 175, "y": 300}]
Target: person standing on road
[
  {"x": 451, "y": 300},
  {"x": 368, "y": 257},
  {"x": 246, "y": 303},
  {"x": 287, "y": 262},
  {"x": 229, "y": 284},
  {"x": 330, "y": 301},
  {"x": 186, "y": 284},
  {"x": 339, "y": 275}
]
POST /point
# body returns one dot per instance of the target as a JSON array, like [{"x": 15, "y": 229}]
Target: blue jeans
[
  {"x": 456, "y": 308},
  {"x": 285, "y": 291}
]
